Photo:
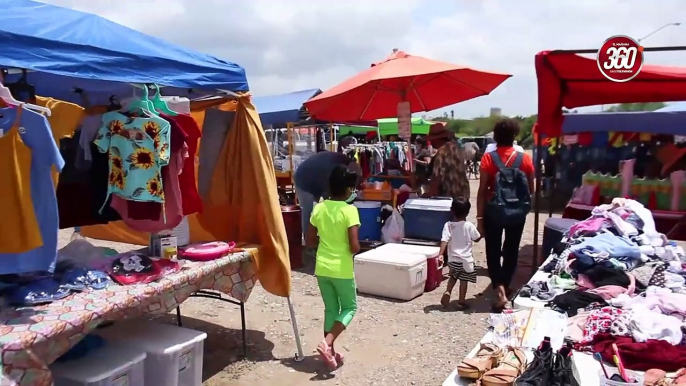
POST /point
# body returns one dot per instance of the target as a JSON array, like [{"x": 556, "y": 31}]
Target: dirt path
[{"x": 388, "y": 343}]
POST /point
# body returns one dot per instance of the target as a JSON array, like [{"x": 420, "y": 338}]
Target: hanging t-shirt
[
  {"x": 29, "y": 212},
  {"x": 173, "y": 209},
  {"x": 81, "y": 192},
  {"x": 138, "y": 148},
  {"x": 64, "y": 119},
  {"x": 187, "y": 182}
]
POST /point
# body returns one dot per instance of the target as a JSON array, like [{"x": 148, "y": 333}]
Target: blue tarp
[
  {"x": 278, "y": 110},
  {"x": 68, "y": 48},
  {"x": 655, "y": 122}
]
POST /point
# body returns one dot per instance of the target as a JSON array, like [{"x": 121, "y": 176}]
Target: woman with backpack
[{"x": 502, "y": 204}]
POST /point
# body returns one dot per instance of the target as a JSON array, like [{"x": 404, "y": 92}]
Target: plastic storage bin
[
  {"x": 370, "y": 220},
  {"x": 425, "y": 217},
  {"x": 174, "y": 354},
  {"x": 110, "y": 365},
  {"x": 393, "y": 275},
  {"x": 434, "y": 262}
]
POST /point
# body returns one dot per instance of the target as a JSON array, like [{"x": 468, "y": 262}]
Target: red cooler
[
  {"x": 291, "y": 220},
  {"x": 434, "y": 262}
]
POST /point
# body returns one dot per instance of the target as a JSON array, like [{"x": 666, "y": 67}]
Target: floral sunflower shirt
[{"x": 137, "y": 148}]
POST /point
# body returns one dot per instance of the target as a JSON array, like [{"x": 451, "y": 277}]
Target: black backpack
[{"x": 511, "y": 200}]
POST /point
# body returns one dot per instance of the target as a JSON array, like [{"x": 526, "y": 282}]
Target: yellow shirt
[
  {"x": 19, "y": 231},
  {"x": 332, "y": 220},
  {"x": 64, "y": 119}
]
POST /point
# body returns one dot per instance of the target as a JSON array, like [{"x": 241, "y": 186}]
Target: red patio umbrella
[{"x": 427, "y": 84}]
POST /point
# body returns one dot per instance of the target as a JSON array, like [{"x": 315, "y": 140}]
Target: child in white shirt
[{"x": 458, "y": 237}]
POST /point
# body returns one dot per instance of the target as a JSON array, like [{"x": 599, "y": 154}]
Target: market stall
[
  {"x": 601, "y": 264},
  {"x": 610, "y": 278},
  {"x": 279, "y": 115},
  {"x": 56, "y": 98}
]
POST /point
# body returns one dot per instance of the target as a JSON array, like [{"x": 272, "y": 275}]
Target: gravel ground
[{"x": 388, "y": 343}]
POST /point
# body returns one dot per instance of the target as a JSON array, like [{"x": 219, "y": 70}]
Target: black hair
[
  {"x": 460, "y": 208},
  {"x": 505, "y": 131},
  {"x": 340, "y": 180}
]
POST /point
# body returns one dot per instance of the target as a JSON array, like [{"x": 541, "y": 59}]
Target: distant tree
[
  {"x": 452, "y": 114},
  {"x": 648, "y": 106}
]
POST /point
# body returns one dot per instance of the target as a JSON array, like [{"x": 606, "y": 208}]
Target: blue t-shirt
[
  {"x": 36, "y": 134},
  {"x": 312, "y": 175}
]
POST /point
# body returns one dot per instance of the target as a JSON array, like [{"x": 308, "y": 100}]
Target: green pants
[{"x": 340, "y": 300}]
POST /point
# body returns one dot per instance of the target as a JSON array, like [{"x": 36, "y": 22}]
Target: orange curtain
[{"x": 243, "y": 203}]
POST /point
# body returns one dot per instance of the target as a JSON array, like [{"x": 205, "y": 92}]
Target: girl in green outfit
[{"x": 333, "y": 231}]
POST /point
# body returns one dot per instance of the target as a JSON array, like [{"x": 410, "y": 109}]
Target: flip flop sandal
[
  {"x": 654, "y": 377},
  {"x": 339, "y": 359},
  {"x": 324, "y": 351},
  {"x": 510, "y": 367},
  {"x": 484, "y": 360},
  {"x": 445, "y": 299}
]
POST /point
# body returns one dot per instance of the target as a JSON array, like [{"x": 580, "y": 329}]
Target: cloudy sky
[{"x": 289, "y": 45}]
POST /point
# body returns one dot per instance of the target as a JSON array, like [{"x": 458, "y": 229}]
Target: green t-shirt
[{"x": 332, "y": 220}]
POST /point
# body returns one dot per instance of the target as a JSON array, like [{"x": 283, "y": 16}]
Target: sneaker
[
  {"x": 540, "y": 371},
  {"x": 562, "y": 368}
]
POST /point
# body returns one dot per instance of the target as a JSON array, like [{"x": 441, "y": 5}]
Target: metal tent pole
[
  {"x": 299, "y": 356},
  {"x": 537, "y": 207}
]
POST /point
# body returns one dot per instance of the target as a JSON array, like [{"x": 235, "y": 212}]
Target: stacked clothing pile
[{"x": 621, "y": 283}]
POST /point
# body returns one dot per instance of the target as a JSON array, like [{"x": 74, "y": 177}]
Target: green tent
[{"x": 388, "y": 126}]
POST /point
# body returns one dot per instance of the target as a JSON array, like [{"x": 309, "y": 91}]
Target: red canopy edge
[{"x": 568, "y": 80}]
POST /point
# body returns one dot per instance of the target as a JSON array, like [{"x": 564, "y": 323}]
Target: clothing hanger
[
  {"x": 8, "y": 98},
  {"x": 159, "y": 104},
  {"x": 141, "y": 103}
]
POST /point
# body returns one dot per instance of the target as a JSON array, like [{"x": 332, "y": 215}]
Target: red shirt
[
  {"x": 489, "y": 168},
  {"x": 189, "y": 186}
]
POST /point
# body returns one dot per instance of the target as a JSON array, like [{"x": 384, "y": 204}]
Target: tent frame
[{"x": 537, "y": 201}]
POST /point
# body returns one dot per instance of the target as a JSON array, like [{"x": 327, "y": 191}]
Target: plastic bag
[{"x": 393, "y": 230}]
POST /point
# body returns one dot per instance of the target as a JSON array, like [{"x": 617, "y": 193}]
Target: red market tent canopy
[{"x": 567, "y": 80}]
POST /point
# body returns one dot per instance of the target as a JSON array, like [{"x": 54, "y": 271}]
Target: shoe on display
[
  {"x": 540, "y": 371},
  {"x": 563, "y": 370}
]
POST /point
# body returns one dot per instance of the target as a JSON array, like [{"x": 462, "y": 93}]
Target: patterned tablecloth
[{"x": 33, "y": 337}]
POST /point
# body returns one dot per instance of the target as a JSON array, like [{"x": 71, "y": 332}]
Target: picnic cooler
[
  {"x": 174, "y": 354},
  {"x": 389, "y": 274},
  {"x": 425, "y": 217},
  {"x": 109, "y": 365},
  {"x": 434, "y": 262},
  {"x": 370, "y": 220}
]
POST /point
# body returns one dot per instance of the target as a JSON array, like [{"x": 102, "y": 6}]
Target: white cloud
[{"x": 287, "y": 45}]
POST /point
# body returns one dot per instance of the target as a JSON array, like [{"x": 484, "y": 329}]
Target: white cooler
[
  {"x": 174, "y": 354},
  {"x": 390, "y": 274},
  {"x": 110, "y": 365},
  {"x": 426, "y": 250}
]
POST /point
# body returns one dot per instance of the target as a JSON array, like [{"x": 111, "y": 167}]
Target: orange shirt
[
  {"x": 19, "y": 231},
  {"x": 489, "y": 168}
]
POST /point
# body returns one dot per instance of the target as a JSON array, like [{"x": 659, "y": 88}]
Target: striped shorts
[{"x": 458, "y": 272}]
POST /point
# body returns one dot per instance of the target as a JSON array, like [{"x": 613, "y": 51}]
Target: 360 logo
[{"x": 620, "y": 58}]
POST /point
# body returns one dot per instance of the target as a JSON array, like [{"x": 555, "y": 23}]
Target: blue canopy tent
[
  {"x": 64, "y": 49},
  {"x": 278, "y": 110},
  {"x": 655, "y": 122}
]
